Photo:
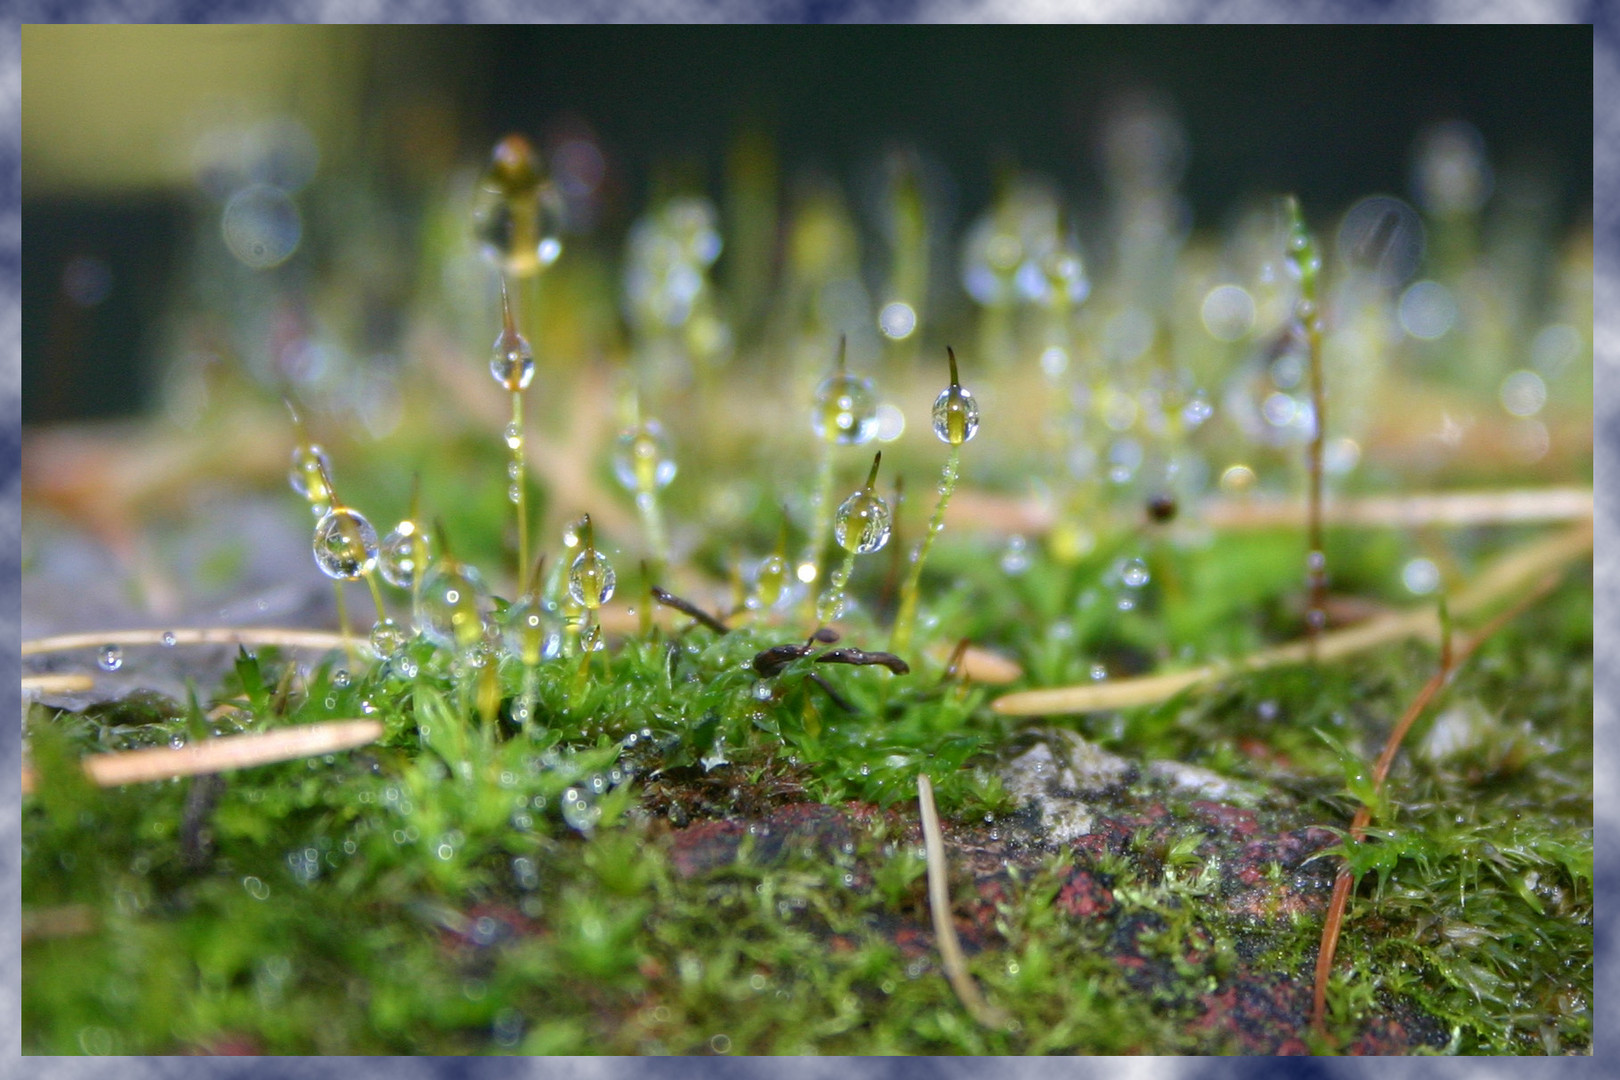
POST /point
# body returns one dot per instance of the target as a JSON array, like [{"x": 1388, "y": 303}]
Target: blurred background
[
  {"x": 219, "y": 217},
  {"x": 135, "y": 139}
]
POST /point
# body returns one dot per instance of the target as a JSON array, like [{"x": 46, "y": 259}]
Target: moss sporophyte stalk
[{"x": 709, "y": 824}]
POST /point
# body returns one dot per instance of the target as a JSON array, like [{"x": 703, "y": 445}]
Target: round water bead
[
  {"x": 515, "y": 217},
  {"x": 770, "y": 580},
  {"x": 512, "y": 361},
  {"x": 591, "y": 579},
  {"x": 345, "y": 544},
  {"x": 956, "y": 415},
  {"x": 403, "y": 552},
  {"x": 845, "y": 410},
  {"x": 862, "y": 523},
  {"x": 305, "y": 474},
  {"x": 641, "y": 458},
  {"x": 111, "y": 658},
  {"x": 386, "y": 637},
  {"x": 532, "y": 631},
  {"x": 450, "y": 608}
]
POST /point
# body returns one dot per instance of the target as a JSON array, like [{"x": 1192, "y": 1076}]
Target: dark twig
[{"x": 1345, "y": 881}]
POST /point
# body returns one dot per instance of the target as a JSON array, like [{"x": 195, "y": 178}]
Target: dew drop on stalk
[
  {"x": 340, "y": 678},
  {"x": 386, "y": 637},
  {"x": 168, "y": 639},
  {"x": 1134, "y": 573},
  {"x": 511, "y": 360},
  {"x": 402, "y": 554},
  {"x": 845, "y": 407},
  {"x": 515, "y": 216},
  {"x": 770, "y": 579},
  {"x": 307, "y": 476},
  {"x": 862, "y": 523},
  {"x": 111, "y": 658},
  {"x": 451, "y": 608},
  {"x": 514, "y": 436},
  {"x": 956, "y": 414},
  {"x": 642, "y": 460},
  {"x": 532, "y": 632},
  {"x": 591, "y": 579},
  {"x": 345, "y": 544}
]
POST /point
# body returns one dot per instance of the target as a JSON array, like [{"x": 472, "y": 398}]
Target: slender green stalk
[
  {"x": 906, "y": 620},
  {"x": 956, "y": 420},
  {"x": 809, "y": 568},
  {"x": 831, "y": 604},
  {"x": 520, "y": 479},
  {"x": 1306, "y": 262},
  {"x": 861, "y": 527}
]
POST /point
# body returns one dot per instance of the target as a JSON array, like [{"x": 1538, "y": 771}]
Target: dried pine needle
[
  {"x": 1499, "y": 581},
  {"x": 939, "y": 908},
  {"x": 223, "y": 754}
]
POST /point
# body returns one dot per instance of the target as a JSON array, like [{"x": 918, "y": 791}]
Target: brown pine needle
[
  {"x": 223, "y": 754},
  {"x": 1344, "y": 882},
  {"x": 1499, "y": 581},
  {"x": 213, "y": 635},
  {"x": 987, "y": 511},
  {"x": 56, "y": 684},
  {"x": 939, "y": 908}
]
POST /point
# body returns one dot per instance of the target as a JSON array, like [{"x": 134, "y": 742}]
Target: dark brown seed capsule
[{"x": 1161, "y": 508}]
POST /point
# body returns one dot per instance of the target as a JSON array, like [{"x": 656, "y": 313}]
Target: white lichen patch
[
  {"x": 1057, "y": 775},
  {"x": 1195, "y": 781}
]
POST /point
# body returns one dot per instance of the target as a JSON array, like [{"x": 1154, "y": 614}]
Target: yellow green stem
[
  {"x": 520, "y": 481},
  {"x": 906, "y": 620}
]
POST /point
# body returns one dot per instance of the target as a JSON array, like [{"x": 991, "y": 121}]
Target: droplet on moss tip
[
  {"x": 345, "y": 544},
  {"x": 512, "y": 361},
  {"x": 862, "y": 523},
  {"x": 642, "y": 460},
  {"x": 402, "y": 554},
  {"x": 845, "y": 407}
]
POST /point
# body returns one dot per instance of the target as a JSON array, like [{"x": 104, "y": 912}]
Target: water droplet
[
  {"x": 532, "y": 631},
  {"x": 845, "y": 410},
  {"x": 516, "y": 215},
  {"x": 386, "y": 637},
  {"x": 514, "y": 436},
  {"x": 514, "y": 494},
  {"x": 1098, "y": 673},
  {"x": 956, "y": 415},
  {"x": 261, "y": 226},
  {"x": 642, "y": 460},
  {"x": 591, "y": 579},
  {"x": 1420, "y": 576},
  {"x": 511, "y": 361},
  {"x": 340, "y": 678},
  {"x": 345, "y": 544},
  {"x": 451, "y": 608},
  {"x": 1134, "y": 573},
  {"x": 720, "y": 1044},
  {"x": 862, "y": 523},
  {"x": 168, "y": 639},
  {"x": 578, "y": 811},
  {"x": 1015, "y": 557},
  {"x": 308, "y": 463},
  {"x": 111, "y": 658},
  {"x": 770, "y": 579}
]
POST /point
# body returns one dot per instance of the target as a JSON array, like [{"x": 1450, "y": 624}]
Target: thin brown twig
[
  {"x": 939, "y": 908},
  {"x": 1344, "y": 881}
]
